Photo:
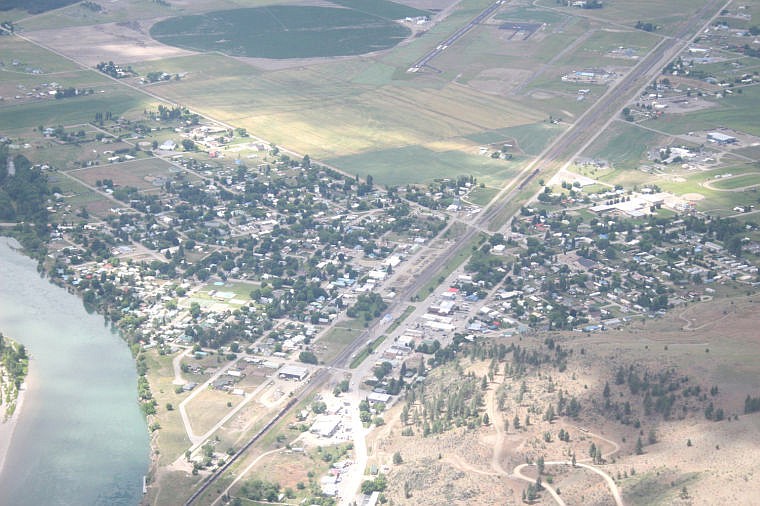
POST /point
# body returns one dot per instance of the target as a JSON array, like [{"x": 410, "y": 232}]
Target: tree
[
  {"x": 188, "y": 145},
  {"x": 639, "y": 447},
  {"x": 486, "y": 420},
  {"x": 549, "y": 414},
  {"x": 540, "y": 465},
  {"x": 397, "y": 459},
  {"x": 308, "y": 357}
]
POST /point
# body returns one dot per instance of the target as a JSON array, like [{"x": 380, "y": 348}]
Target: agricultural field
[
  {"x": 382, "y": 119},
  {"x": 281, "y": 31}
]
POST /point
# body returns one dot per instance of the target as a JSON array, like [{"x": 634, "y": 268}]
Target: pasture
[{"x": 281, "y": 31}]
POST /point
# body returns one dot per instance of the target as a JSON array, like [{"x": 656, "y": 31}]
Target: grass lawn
[
  {"x": 76, "y": 195},
  {"x": 331, "y": 344},
  {"x": 409, "y": 310},
  {"x": 241, "y": 289},
  {"x": 481, "y": 196}
]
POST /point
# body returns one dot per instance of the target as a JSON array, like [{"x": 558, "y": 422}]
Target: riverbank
[
  {"x": 77, "y": 435},
  {"x": 8, "y": 427}
]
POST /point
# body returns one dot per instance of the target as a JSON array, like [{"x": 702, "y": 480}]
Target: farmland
[{"x": 281, "y": 31}]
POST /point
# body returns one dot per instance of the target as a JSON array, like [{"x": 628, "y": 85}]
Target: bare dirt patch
[
  {"x": 141, "y": 174},
  {"x": 93, "y": 44}
]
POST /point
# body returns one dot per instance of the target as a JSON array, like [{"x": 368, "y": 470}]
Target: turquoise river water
[{"x": 80, "y": 439}]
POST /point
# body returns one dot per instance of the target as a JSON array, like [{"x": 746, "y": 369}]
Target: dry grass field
[
  {"x": 140, "y": 174},
  {"x": 710, "y": 344}
]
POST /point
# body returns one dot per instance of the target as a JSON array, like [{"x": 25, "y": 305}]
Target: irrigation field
[{"x": 282, "y": 31}]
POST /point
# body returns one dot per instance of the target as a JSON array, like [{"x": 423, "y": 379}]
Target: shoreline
[{"x": 8, "y": 427}]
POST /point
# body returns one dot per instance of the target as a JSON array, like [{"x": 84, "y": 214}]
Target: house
[{"x": 375, "y": 397}]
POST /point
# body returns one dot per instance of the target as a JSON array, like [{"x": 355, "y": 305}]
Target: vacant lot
[
  {"x": 140, "y": 174},
  {"x": 332, "y": 343}
]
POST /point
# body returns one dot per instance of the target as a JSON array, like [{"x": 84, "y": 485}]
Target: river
[{"x": 80, "y": 439}]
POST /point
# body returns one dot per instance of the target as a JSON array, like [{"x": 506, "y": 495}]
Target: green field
[
  {"x": 530, "y": 139},
  {"x": 737, "y": 182},
  {"x": 416, "y": 164},
  {"x": 529, "y": 14},
  {"x": 281, "y": 31},
  {"x": 28, "y": 55},
  {"x": 335, "y": 341},
  {"x": 623, "y": 145},
  {"x": 18, "y": 117},
  {"x": 482, "y": 196},
  {"x": 382, "y": 8},
  {"x": 738, "y": 111},
  {"x": 621, "y": 11}
]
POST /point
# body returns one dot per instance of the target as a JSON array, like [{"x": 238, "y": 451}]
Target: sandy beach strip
[{"x": 8, "y": 427}]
